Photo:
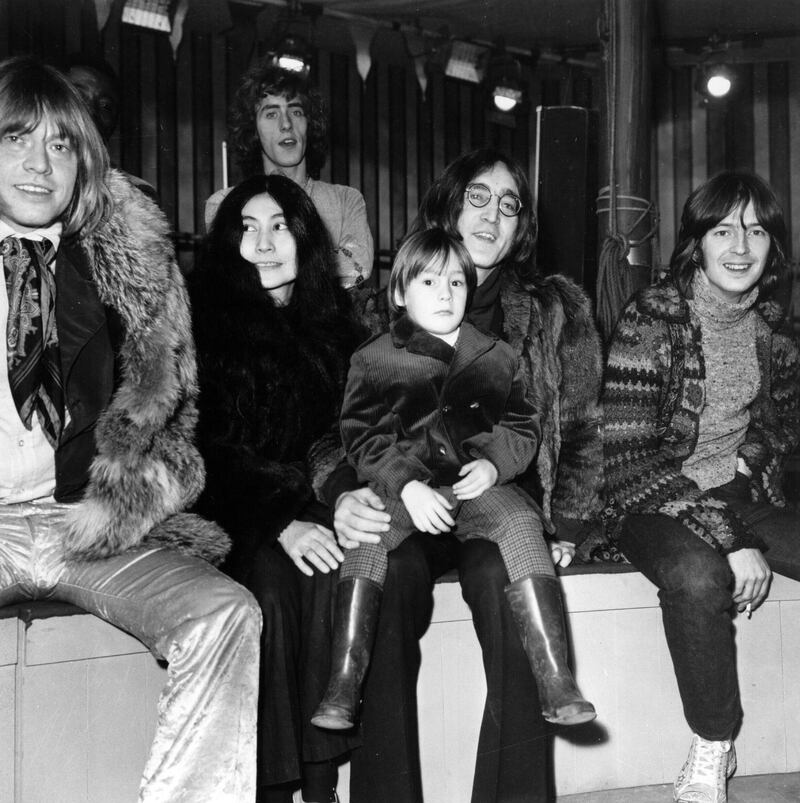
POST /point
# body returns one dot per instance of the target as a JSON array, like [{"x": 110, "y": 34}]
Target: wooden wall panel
[
  {"x": 398, "y": 155},
  {"x": 387, "y": 138},
  {"x": 165, "y": 178},
  {"x": 203, "y": 144},
  {"x": 761, "y": 123},
  {"x": 411, "y": 165}
]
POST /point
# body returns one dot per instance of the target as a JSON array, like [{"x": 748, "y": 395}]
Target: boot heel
[
  {"x": 535, "y": 603},
  {"x": 357, "y": 604}
]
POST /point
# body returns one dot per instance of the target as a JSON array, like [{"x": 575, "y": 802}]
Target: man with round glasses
[
  {"x": 548, "y": 322},
  {"x": 479, "y": 195}
]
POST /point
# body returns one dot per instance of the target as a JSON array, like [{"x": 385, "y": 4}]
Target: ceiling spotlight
[
  {"x": 506, "y": 97},
  {"x": 503, "y": 79},
  {"x": 719, "y": 81},
  {"x": 292, "y": 55},
  {"x": 153, "y": 14},
  {"x": 715, "y": 81},
  {"x": 466, "y": 61}
]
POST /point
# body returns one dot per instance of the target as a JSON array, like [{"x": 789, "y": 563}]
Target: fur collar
[{"x": 146, "y": 468}]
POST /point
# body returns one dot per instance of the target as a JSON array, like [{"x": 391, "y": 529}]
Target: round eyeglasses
[{"x": 479, "y": 195}]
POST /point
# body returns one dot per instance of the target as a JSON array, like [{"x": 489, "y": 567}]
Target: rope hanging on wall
[{"x": 613, "y": 267}]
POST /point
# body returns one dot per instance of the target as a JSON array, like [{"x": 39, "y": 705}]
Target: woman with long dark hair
[
  {"x": 274, "y": 335},
  {"x": 702, "y": 405}
]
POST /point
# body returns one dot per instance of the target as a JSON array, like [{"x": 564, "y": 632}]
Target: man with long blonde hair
[{"x": 97, "y": 412}]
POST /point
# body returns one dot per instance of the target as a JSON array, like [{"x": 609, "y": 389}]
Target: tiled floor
[{"x": 752, "y": 789}]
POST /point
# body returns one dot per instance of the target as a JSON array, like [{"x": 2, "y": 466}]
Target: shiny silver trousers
[{"x": 203, "y": 624}]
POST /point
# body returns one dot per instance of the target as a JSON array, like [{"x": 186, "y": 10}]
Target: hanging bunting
[
  {"x": 417, "y": 48},
  {"x": 363, "y": 34},
  {"x": 177, "y": 27},
  {"x": 103, "y": 10},
  {"x": 421, "y": 67}
]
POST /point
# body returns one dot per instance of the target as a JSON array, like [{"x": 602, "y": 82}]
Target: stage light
[
  {"x": 719, "y": 81},
  {"x": 466, "y": 61},
  {"x": 504, "y": 82},
  {"x": 292, "y": 55},
  {"x": 715, "y": 81},
  {"x": 506, "y": 97},
  {"x": 153, "y": 14}
]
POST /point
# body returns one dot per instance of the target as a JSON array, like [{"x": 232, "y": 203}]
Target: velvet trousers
[
  {"x": 512, "y": 762},
  {"x": 186, "y": 612},
  {"x": 695, "y": 587}
]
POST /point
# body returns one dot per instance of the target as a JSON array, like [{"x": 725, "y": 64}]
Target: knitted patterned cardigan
[{"x": 654, "y": 392}]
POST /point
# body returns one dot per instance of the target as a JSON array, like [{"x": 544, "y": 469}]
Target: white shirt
[{"x": 27, "y": 460}]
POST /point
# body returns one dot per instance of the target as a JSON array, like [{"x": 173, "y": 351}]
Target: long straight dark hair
[
  {"x": 316, "y": 295},
  {"x": 711, "y": 203}
]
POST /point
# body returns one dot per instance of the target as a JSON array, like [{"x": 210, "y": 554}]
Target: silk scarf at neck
[{"x": 34, "y": 364}]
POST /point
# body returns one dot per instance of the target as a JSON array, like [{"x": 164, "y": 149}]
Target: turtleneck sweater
[{"x": 732, "y": 379}]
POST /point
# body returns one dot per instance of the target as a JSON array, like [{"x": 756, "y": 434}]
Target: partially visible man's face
[
  {"x": 38, "y": 171},
  {"x": 282, "y": 126},
  {"x": 100, "y": 95}
]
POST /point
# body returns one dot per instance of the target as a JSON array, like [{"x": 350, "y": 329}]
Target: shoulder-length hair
[
  {"x": 444, "y": 200},
  {"x": 429, "y": 248},
  {"x": 711, "y": 203},
  {"x": 263, "y": 79},
  {"x": 31, "y": 91},
  {"x": 316, "y": 294}
]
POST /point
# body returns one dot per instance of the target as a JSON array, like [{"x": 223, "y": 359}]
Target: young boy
[{"x": 435, "y": 418}]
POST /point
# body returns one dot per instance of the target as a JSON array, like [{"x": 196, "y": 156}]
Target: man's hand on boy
[
  {"x": 479, "y": 476},
  {"x": 428, "y": 509}
]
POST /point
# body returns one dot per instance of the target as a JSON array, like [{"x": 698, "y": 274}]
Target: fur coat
[
  {"x": 146, "y": 469},
  {"x": 551, "y": 327},
  {"x": 653, "y": 398}
]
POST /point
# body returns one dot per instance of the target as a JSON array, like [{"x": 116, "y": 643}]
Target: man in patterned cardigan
[
  {"x": 97, "y": 414},
  {"x": 702, "y": 405}
]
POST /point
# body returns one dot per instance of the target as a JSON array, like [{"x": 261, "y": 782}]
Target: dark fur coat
[
  {"x": 146, "y": 469},
  {"x": 271, "y": 384}
]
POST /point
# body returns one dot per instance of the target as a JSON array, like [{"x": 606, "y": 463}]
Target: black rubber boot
[
  {"x": 357, "y": 604},
  {"x": 535, "y": 602}
]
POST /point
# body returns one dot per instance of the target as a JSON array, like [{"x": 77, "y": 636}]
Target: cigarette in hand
[{"x": 749, "y": 609}]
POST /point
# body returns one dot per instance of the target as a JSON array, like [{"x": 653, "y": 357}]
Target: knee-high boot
[
  {"x": 354, "y": 625},
  {"x": 535, "y": 602}
]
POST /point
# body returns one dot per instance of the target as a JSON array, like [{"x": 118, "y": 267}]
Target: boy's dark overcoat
[{"x": 417, "y": 409}]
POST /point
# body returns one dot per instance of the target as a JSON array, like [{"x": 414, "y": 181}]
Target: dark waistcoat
[{"x": 89, "y": 335}]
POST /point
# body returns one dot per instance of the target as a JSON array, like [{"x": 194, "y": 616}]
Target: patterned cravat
[{"x": 34, "y": 365}]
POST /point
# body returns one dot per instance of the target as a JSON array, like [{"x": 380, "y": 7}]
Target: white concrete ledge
[{"x": 79, "y": 698}]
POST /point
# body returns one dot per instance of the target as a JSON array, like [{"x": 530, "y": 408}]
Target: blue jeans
[
  {"x": 695, "y": 590},
  {"x": 186, "y": 612}
]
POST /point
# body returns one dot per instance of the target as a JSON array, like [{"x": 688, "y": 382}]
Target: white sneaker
[{"x": 704, "y": 777}]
